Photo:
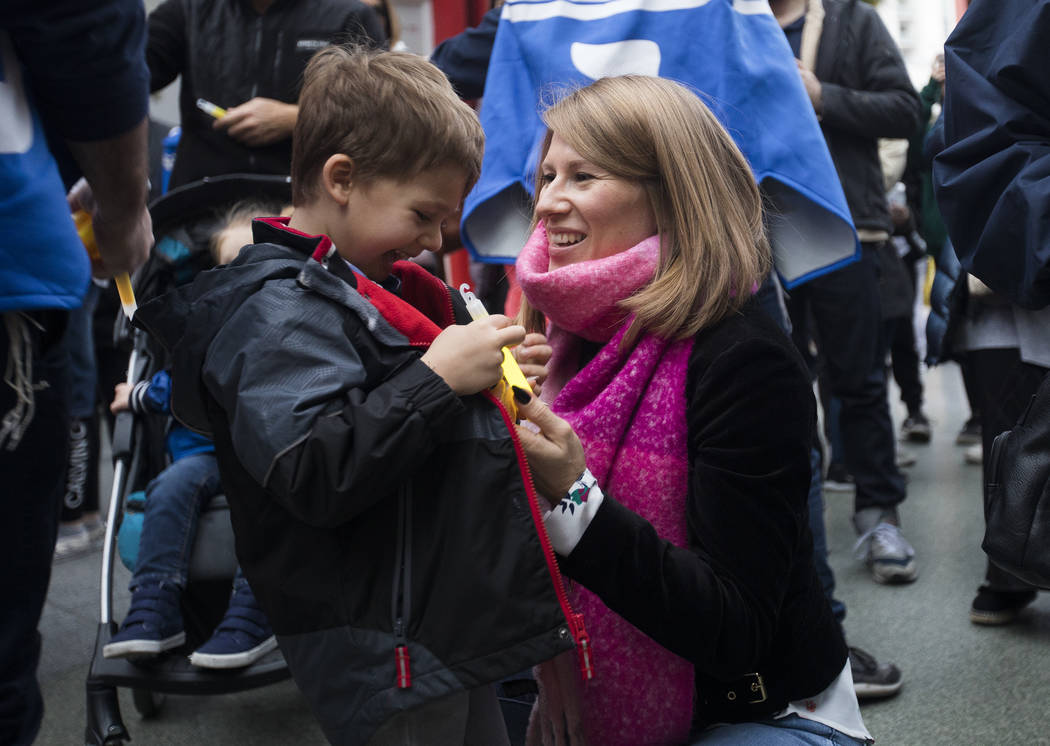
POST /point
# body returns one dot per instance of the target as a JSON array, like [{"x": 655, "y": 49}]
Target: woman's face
[{"x": 588, "y": 213}]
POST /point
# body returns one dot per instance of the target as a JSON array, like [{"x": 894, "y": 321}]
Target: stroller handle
[{"x": 121, "y": 455}]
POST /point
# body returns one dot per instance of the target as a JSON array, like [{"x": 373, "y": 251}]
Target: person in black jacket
[
  {"x": 676, "y": 448},
  {"x": 382, "y": 511},
  {"x": 247, "y": 57},
  {"x": 991, "y": 186},
  {"x": 860, "y": 91}
]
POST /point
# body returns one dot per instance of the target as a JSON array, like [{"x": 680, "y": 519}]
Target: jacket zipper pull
[
  {"x": 583, "y": 648},
  {"x": 404, "y": 671}
]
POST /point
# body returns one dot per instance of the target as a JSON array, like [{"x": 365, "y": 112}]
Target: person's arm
[
  {"x": 259, "y": 121},
  {"x": 166, "y": 44},
  {"x": 885, "y": 104},
  {"x": 464, "y": 58},
  {"x": 85, "y": 65},
  {"x": 716, "y": 602},
  {"x": 117, "y": 170},
  {"x": 991, "y": 179},
  {"x": 152, "y": 396},
  {"x": 264, "y": 121}
]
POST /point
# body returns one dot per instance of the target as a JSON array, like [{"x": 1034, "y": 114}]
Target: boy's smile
[{"x": 386, "y": 220}]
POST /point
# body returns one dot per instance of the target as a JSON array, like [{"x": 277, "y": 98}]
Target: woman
[{"x": 678, "y": 458}]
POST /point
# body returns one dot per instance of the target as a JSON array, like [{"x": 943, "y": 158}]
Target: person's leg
[
  {"x": 485, "y": 725},
  {"x": 34, "y": 423},
  {"x": 73, "y": 536},
  {"x": 440, "y": 721},
  {"x": 846, "y": 310},
  {"x": 971, "y": 431},
  {"x": 174, "y": 500},
  {"x": 789, "y": 731},
  {"x": 820, "y": 540},
  {"x": 1004, "y": 385},
  {"x": 169, "y": 526},
  {"x": 242, "y": 637}
]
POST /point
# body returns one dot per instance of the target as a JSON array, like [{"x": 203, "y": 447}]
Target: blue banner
[{"x": 732, "y": 51}]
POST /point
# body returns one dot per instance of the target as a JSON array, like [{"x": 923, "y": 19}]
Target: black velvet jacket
[{"x": 744, "y": 597}]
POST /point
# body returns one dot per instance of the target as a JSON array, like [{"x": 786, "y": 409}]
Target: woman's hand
[
  {"x": 533, "y": 355},
  {"x": 555, "y": 453}
]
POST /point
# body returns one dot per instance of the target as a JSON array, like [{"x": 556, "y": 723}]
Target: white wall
[
  {"x": 164, "y": 104},
  {"x": 920, "y": 28}
]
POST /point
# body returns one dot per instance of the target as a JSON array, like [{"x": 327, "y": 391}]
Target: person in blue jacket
[{"x": 79, "y": 69}]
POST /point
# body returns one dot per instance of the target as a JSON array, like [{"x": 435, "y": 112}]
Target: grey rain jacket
[{"x": 389, "y": 528}]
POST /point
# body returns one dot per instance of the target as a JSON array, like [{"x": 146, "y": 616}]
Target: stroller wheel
[{"x": 147, "y": 702}]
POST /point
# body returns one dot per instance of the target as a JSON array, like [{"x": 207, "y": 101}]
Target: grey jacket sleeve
[
  {"x": 307, "y": 420},
  {"x": 882, "y": 102}
]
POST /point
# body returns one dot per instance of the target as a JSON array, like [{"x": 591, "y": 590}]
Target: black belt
[{"x": 747, "y": 698}]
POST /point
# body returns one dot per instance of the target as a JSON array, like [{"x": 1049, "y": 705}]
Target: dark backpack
[{"x": 1017, "y": 512}]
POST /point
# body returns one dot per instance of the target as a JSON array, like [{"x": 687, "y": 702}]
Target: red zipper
[{"x": 574, "y": 619}]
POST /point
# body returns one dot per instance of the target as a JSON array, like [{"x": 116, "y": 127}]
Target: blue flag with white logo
[{"x": 732, "y": 51}]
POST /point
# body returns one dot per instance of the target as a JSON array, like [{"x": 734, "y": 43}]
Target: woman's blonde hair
[{"x": 658, "y": 133}]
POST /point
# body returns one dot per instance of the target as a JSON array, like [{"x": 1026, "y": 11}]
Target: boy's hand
[
  {"x": 121, "y": 394},
  {"x": 555, "y": 453},
  {"x": 533, "y": 355},
  {"x": 469, "y": 357}
]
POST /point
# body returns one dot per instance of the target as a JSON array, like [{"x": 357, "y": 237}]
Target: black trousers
[
  {"x": 841, "y": 312},
  {"x": 1003, "y": 386},
  {"x": 32, "y": 467}
]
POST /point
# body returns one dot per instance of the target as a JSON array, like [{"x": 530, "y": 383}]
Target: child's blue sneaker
[
  {"x": 153, "y": 624},
  {"x": 243, "y": 636}
]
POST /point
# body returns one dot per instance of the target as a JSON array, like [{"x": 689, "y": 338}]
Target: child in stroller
[{"x": 174, "y": 500}]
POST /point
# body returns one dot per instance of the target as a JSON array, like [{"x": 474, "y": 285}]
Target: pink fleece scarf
[{"x": 628, "y": 408}]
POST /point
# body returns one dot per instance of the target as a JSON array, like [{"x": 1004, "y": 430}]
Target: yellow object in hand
[
  {"x": 512, "y": 375},
  {"x": 86, "y": 231},
  {"x": 211, "y": 109}
]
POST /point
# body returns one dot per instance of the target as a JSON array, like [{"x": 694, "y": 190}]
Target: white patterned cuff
[{"x": 567, "y": 520}]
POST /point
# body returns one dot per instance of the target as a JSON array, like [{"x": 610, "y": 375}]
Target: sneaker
[
  {"x": 242, "y": 637},
  {"x": 993, "y": 608},
  {"x": 73, "y": 539},
  {"x": 871, "y": 679},
  {"x": 905, "y": 459},
  {"x": 96, "y": 529},
  {"x": 974, "y": 454},
  {"x": 838, "y": 479},
  {"x": 970, "y": 433},
  {"x": 887, "y": 553},
  {"x": 916, "y": 428},
  {"x": 152, "y": 626}
]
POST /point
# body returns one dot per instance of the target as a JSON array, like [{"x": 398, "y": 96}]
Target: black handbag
[{"x": 1017, "y": 510}]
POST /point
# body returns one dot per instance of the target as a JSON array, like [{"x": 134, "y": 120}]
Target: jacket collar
[{"x": 419, "y": 312}]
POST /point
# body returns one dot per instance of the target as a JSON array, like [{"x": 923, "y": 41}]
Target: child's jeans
[{"x": 174, "y": 500}]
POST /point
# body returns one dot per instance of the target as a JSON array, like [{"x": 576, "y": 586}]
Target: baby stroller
[{"x": 183, "y": 221}]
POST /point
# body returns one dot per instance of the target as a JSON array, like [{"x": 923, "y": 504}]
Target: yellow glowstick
[
  {"x": 211, "y": 109},
  {"x": 82, "y": 220},
  {"x": 512, "y": 375}
]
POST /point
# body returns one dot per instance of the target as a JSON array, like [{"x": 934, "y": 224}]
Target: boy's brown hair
[{"x": 394, "y": 114}]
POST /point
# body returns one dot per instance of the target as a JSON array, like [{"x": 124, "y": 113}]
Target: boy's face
[{"x": 389, "y": 220}]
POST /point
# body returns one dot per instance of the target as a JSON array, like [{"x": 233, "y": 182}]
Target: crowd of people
[{"x": 642, "y": 527}]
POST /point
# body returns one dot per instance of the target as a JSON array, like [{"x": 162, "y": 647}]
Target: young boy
[
  {"x": 381, "y": 504},
  {"x": 174, "y": 501}
]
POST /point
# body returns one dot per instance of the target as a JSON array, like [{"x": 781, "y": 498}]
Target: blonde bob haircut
[
  {"x": 658, "y": 133},
  {"x": 393, "y": 114}
]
